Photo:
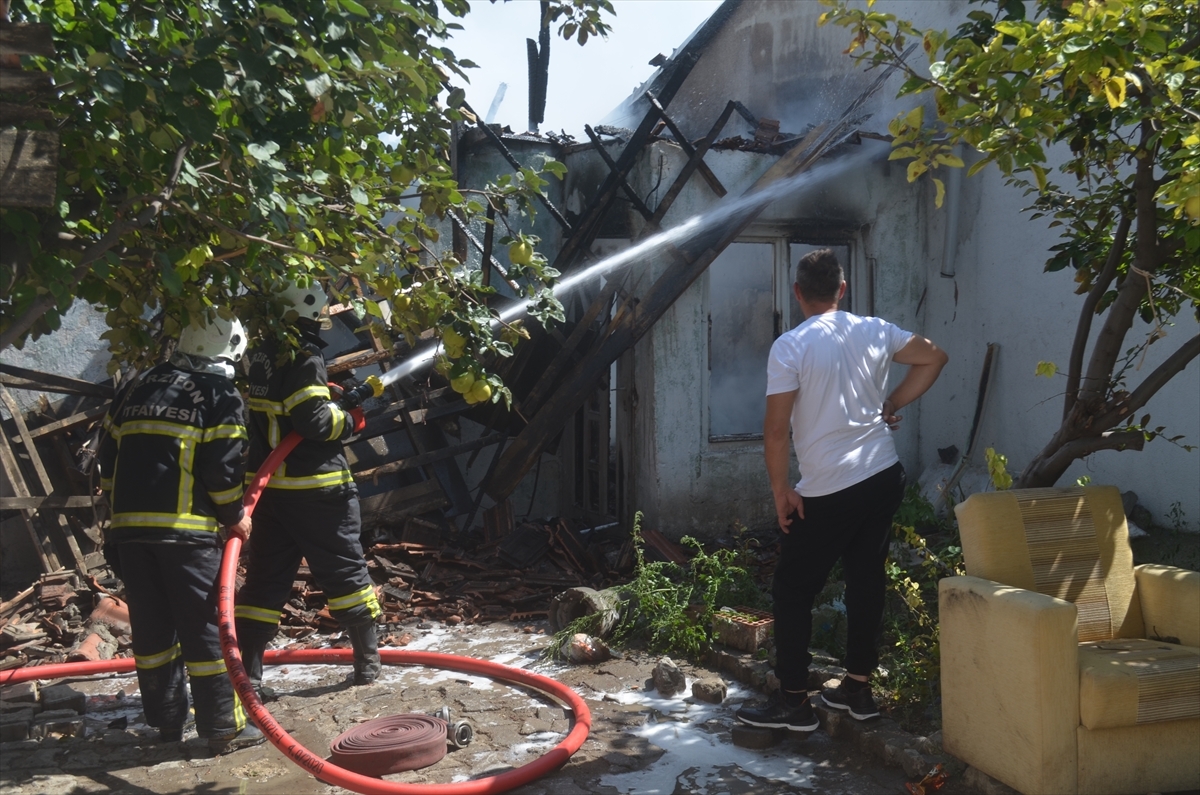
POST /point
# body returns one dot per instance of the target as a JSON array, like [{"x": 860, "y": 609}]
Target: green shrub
[
  {"x": 910, "y": 653},
  {"x": 671, "y": 605}
]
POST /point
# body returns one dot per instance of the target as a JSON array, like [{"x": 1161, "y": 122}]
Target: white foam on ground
[{"x": 696, "y": 745}]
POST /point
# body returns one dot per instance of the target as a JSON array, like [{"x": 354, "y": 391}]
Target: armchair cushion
[
  {"x": 1128, "y": 682},
  {"x": 1071, "y": 544},
  {"x": 1170, "y": 599}
]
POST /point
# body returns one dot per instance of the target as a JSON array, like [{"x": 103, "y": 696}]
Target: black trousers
[
  {"x": 173, "y": 612},
  {"x": 327, "y": 534},
  {"x": 855, "y": 525}
]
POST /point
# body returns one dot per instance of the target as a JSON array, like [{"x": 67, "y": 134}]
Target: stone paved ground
[{"x": 640, "y": 743}]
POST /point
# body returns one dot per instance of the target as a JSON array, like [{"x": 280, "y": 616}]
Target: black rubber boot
[{"x": 367, "y": 665}]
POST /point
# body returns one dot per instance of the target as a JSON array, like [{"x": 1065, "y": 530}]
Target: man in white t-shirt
[{"x": 825, "y": 381}]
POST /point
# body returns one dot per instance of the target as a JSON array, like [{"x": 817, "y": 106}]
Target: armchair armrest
[
  {"x": 1010, "y": 683},
  {"x": 1170, "y": 600}
]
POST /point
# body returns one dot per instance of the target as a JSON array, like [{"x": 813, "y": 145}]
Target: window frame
[{"x": 860, "y": 286}]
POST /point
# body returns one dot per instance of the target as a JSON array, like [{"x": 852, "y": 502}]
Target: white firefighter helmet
[
  {"x": 308, "y": 301},
  {"x": 218, "y": 339}
]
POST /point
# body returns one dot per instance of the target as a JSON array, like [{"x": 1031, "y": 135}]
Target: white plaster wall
[{"x": 1004, "y": 296}]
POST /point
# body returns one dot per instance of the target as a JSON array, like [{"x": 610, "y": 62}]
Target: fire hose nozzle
[{"x": 353, "y": 398}]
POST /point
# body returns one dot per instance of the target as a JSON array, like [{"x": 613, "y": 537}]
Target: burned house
[{"x": 650, "y": 397}]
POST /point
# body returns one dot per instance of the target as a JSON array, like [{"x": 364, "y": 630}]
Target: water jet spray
[{"x": 754, "y": 201}]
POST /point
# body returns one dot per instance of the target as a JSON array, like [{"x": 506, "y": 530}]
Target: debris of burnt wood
[{"x": 510, "y": 573}]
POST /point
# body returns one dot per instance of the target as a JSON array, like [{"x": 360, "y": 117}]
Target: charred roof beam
[{"x": 687, "y": 147}]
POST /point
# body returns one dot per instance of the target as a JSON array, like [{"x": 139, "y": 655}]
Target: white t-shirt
[{"x": 839, "y": 362}]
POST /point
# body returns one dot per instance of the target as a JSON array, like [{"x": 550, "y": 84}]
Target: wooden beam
[
  {"x": 69, "y": 422},
  {"x": 687, "y": 147},
  {"x": 23, "y": 38},
  {"x": 52, "y": 382},
  {"x": 15, "y": 115},
  {"x": 636, "y": 200},
  {"x": 28, "y": 167},
  {"x": 22, "y": 81},
  {"x": 588, "y": 226},
  {"x": 60, "y": 501},
  {"x": 68, "y": 536},
  {"x": 42, "y": 545},
  {"x": 359, "y": 359},
  {"x": 691, "y": 166}
]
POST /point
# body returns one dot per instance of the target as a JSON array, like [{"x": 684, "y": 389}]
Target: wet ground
[{"x": 640, "y": 743}]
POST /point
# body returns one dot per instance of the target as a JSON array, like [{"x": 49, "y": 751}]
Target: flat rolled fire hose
[
  {"x": 391, "y": 744},
  {"x": 321, "y": 769}
]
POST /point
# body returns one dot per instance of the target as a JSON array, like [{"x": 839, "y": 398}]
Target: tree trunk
[{"x": 1096, "y": 410}]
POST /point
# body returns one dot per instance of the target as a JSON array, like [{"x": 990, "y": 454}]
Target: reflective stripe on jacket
[
  {"x": 173, "y": 457},
  {"x": 294, "y": 396}
]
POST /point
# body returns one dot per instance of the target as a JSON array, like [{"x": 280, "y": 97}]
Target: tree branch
[
  {"x": 1140, "y": 396},
  {"x": 248, "y": 237},
  {"x": 1049, "y": 470},
  {"x": 1093, "y": 389},
  {"x": 1084, "y": 328},
  {"x": 44, "y": 303}
]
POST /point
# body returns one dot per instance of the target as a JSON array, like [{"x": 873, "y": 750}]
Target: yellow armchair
[{"x": 1065, "y": 669}]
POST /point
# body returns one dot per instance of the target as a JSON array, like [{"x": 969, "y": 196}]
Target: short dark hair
[{"x": 819, "y": 275}]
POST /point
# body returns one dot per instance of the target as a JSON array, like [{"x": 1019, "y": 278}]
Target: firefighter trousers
[
  {"x": 324, "y": 532},
  {"x": 172, "y": 591}
]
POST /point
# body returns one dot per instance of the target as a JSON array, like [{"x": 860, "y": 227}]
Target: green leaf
[
  {"x": 1076, "y": 44},
  {"x": 262, "y": 151},
  {"x": 941, "y": 192},
  {"x": 1046, "y": 369},
  {"x": 198, "y": 123},
  {"x": 355, "y": 8},
  {"x": 170, "y": 276},
  {"x": 133, "y": 95},
  {"x": 1153, "y": 41},
  {"x": 277, "y": 14},
  {"x": 64, "y": 9},
  {"x": 208, "y": 74}
]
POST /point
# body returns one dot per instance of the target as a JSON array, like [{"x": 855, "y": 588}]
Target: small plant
[
  {"x": 998, "y": 469},
  {"x": 671, "y": 606},
  {"x": 910, "y": 654},
  {"x": 1177, "y": 516}
]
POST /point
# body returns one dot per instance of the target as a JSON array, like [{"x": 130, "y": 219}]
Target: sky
[{"x": 585, "y": 82}]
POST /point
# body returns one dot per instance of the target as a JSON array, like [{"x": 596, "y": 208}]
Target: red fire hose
[{"x": 320, "y": 768}]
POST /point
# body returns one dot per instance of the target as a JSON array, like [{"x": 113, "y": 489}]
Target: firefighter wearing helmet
[
  {"x": 309, "y": 508},
  {"x": 172, "y": 464}
]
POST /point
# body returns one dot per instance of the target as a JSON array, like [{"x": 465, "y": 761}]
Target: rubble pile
[
  {"x": 63, "y": 617},
  {"x": 512, "y": 574}
]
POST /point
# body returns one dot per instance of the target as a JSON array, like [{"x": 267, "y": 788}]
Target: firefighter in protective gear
[
  {"x": 309, "y": 508},
  {"x": 172, "y": 465}
]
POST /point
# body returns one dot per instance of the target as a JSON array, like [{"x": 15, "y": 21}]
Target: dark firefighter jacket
[
  {"x": 294, "y": 396},
  {"x": 173, "y": 457}
]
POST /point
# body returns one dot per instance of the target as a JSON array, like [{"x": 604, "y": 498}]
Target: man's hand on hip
[
  {"x": 890, "y": 416},
  {"x": 787, "y": 502}
]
